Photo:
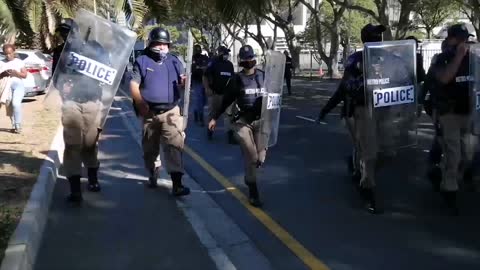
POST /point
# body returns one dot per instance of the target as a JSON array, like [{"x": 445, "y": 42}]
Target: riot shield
[
  {"x": 475, "y": 86},
  {"x": 91, "y": 66},
  {"x": 272, "y": 99},
  {"x": 188, "y": 81},
  {"x": 391, "y": 93}
]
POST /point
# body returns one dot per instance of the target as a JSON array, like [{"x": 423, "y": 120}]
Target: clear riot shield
[
  {"x": 391, "y": 93},
  {"x": 475, "y": 86},
  {"x": 272, "y": 99},
  {"x": 188, "y": 81},
  {"x": 90, "y": 67}
]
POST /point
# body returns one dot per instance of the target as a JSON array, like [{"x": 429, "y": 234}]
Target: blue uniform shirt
[{"x": 159, "y": 81}]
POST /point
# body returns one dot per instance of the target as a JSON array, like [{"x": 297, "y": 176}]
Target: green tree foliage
[{"x": 432, "y": 13}]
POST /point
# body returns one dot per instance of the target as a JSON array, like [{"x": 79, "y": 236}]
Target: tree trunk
[
  {"x": 346, "y": 50},
  {"x": 429, "y": 33}
]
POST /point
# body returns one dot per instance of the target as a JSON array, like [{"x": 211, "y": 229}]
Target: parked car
[{"x": 39, "y": 72}]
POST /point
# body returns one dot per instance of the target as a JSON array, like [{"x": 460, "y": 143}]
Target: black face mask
[
  {"x": 156, "y": 54},
  {"x": 248, "y": 64}
]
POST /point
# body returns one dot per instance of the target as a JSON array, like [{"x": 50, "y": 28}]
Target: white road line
[
  {"x": 201, "y": 228},
  {"x": 309, "y": 119}
]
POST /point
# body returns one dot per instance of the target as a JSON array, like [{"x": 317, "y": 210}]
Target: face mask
[
  {"x": 159, "y": 54},
  {"x": 248, "y": 64}
]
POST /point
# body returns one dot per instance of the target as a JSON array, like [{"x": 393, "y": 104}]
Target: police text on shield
[
  {"x": 393, "y": 96},
  {"x": 274, "y": 101},
  {"x": 92, "y": 68}
]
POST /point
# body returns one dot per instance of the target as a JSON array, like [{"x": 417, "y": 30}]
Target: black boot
[
  {"x": 435, "y": 177},
  {"x": 368, "y": 195},
  {"x": 253, "y": 196},
  {"x": 177, "y": 188},
  {"x": 93, "y": 184},
  {"x": 450, "y": 198},
  {"x": 75, "y": 189},
  {"x": 201, "y": 120},
  {"x": 152, "y": 180},
  {"x": 231, "y": 137}
]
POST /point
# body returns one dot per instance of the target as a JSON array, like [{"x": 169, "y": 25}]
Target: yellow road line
[
  {"x": 302, "y": 253},
  {"x": 298, "y": 249}
]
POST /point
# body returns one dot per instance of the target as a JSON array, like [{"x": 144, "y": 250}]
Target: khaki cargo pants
[
  {"x": 253, "y": 147},
  {"x": 458, "y": 145},
  {"x": 364, "y": 132},
  {"x": 164, "y": 129},
  {"x": 81, "y": 122},
  {"x": 214, "y": 104}
]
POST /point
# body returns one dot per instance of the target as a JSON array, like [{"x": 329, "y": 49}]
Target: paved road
[
  {"x": 312, "y": 217},
  {"x": 307, "y": 192},
  {"x": 127, "y": 225}
]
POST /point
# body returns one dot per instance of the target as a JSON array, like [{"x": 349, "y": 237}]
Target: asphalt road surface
[{"x": 312, "y": 215}]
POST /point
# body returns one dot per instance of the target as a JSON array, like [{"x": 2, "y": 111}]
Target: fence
[{"x": 307, "y": 62}]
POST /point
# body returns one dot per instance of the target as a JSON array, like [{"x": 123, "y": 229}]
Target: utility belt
[
  {"x": 160, "y": 108},
  {"x": 248, "y": 115}
]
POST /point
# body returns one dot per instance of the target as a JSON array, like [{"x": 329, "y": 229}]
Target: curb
[{"x": 24, "y": 243}]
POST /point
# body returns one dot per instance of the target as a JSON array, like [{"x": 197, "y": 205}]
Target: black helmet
[
  {"x": 197, "y": 49},
  {"x": 372, "y": 33},
  {"x": 62, "y": 28},
  {"x": 160, "y": 35},
  {"x": 65, "y": 27},
  {"x": 222, "y": 50},
  {"x": 246, "y": 53}
]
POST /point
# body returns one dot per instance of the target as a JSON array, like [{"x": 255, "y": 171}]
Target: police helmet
[
  {"x": 459, "y": 31},
  {"x": 197, "y": 49},
  {"x": 246, "y": 53},
  {"x": 64, "y": 28},
  {"x": 372, "y": 33},
  {"x": 95, "y": 51},
  {"x": 160, "y": 35},
  {"x": 222, "y": 50}
]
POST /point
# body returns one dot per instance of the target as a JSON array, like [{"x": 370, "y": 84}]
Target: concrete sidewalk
[{"x": 127, "y": 225}]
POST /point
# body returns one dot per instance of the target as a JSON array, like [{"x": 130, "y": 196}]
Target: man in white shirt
[{"x": 14, "y": 68}]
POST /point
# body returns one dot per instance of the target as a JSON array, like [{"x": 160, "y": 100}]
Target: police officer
[
  {"x": 217, "y": 80},
  {"x": 199, "y": 65},
  {"x": 351, "y": 91},
  {"x": 81, "y": 117},
  {"x": 157, "y": 79},
  {"x": 452, "y": 104},
  {"x": 288, "y": 71},
  {"x": 62, "y": 31},
  {"x": 247, "y": 92},
  {"x": 426, "y": 97}
]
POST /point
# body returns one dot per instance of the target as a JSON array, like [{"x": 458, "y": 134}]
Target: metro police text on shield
[{"x": 393, "y": 96}]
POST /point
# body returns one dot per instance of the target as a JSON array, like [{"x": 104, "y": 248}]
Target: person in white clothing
[{"x": 14, "y": 68}]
